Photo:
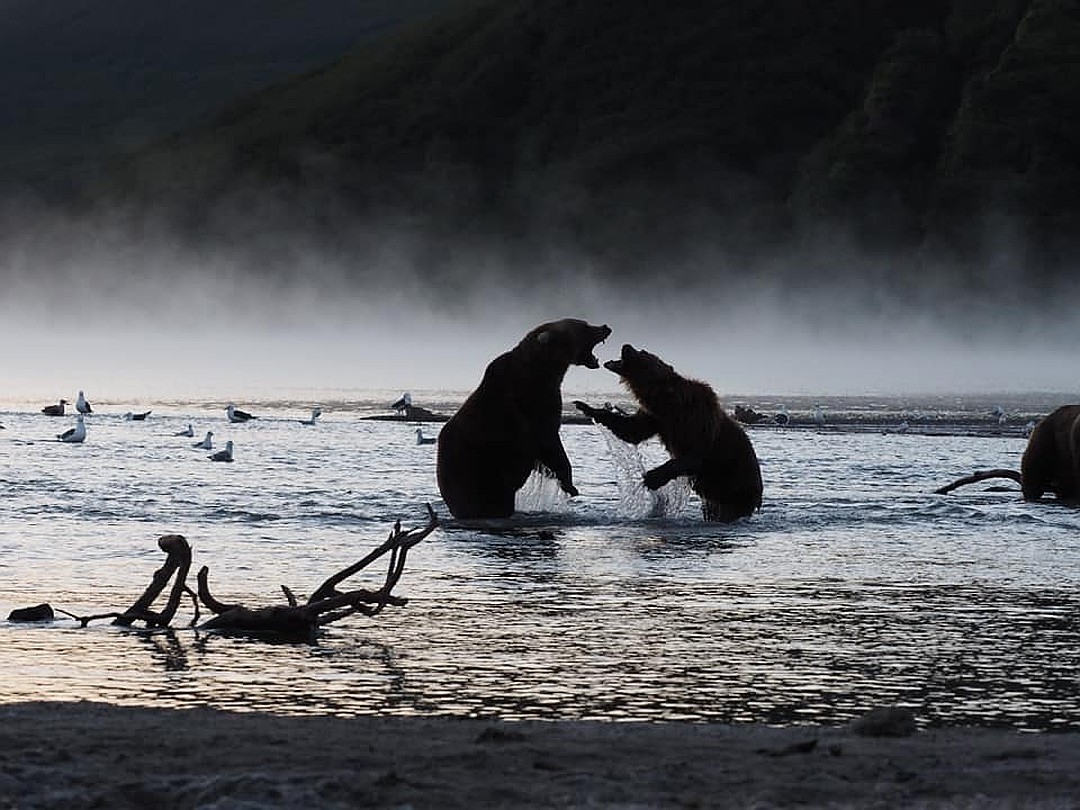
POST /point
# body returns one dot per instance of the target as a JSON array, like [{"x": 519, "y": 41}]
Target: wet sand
[{"x": 82, "y": 755}]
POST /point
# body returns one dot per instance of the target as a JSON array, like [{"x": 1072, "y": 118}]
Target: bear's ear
[{"x": 543, "y": 338}]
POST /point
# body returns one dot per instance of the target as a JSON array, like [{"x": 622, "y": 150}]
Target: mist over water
[{"x": 131, "y": 314}]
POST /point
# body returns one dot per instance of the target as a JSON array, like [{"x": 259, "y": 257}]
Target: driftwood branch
[
  {"x": 327, "y": 604},
  {"x": 976, "y": 477},
  {"x": 292, "y": 620},
  {"x": 178, "y": 562},
  {"x": 397, "y": 540}
]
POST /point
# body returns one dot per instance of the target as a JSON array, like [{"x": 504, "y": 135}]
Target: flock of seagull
[{"x": 77, "y": 434}]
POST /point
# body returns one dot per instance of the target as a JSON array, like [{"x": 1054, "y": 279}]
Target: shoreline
[{"x": 86, "y": 754}]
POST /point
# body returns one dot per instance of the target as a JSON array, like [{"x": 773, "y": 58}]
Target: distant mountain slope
[
  {"x": 87, "y": 78},
  {"x": 627, "y": 125}
]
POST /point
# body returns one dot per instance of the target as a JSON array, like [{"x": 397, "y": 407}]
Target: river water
[{"x": 853, "y": 587}]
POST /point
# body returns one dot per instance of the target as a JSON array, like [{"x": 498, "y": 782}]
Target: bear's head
[
  {"x": 650, "y": 379},
  {"x": 569, "y": 342}
]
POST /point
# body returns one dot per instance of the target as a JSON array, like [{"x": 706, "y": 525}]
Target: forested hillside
[
  {"x": 630, "y": 129},
  {"x": 85, "y": 80}
]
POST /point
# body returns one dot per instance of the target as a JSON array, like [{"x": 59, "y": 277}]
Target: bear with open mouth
[
  {"x": 706, "y": 445},
  {"x": 509, "y": 426}
]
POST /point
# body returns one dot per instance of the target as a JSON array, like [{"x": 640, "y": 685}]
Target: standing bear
[
  {"x": 1051, "y": 461},
  {"x": 509, "y": 426},
  {"x": 705, "y": 443}
]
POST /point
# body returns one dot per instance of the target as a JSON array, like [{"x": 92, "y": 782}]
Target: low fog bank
[{"x": 137, "y": 312}]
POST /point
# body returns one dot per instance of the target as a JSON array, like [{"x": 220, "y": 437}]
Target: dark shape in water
[{"x": 37, "y": 613}]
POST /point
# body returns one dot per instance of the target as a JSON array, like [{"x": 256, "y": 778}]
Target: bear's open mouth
[
  {"x": 588, "y": 358},
  {"x": 617, "y": 366}
]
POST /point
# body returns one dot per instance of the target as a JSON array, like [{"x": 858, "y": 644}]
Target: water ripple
[{"x": 854, "y": 586}]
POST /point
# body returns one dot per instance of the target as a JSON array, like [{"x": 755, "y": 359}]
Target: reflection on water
[{"x": 853, "y": 587}]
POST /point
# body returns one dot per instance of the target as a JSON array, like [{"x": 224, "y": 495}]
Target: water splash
[
  {"x": 541, "y": 493},
  {"x": 636, "y": 500}
]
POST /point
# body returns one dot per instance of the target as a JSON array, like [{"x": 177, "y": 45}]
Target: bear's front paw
[
  {"x": 654, "y": 479},
  {"x": 584, "y": 407},
  {"x": 569, "y": 489}
]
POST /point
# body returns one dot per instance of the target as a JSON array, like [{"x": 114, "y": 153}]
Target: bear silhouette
[
  {"x": 509, "y": 426},
  {"x": 706, "y": 445},
  {"x": 1051, "y": 461}
]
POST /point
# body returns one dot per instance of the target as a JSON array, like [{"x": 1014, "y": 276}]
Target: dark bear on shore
[
  {"x": 1051, "y": 462},
  {"x": 705, "y": 443},
  {"x": 509, "y": 426}
]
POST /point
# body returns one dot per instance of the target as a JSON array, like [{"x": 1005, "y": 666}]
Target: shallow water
[{"x": 853, "y": 587}]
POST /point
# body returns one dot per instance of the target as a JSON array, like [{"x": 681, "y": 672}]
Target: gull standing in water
[
  {"x": 207, "y": 443},
  {"x": 422, "y": 439},
  {"x": 237, "y": 415},
  {"x": 316, "y": 412},
  {"x": 82, "y": 405},
  {"x": 223, "y": 455},
  {"x": 402, "y": 405},
  {"x": 189, "y": 431},
  {"x": 76, "y": 434}
]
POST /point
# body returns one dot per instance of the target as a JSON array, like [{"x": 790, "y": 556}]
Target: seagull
[
  {"x": 236, "y": 415},
  {"x": 422, "y": 439},
  {"x": 188, "y": 431},
  {"x": 207, "y": 443},
  {"x": 223, "y": 455},
  {"x": 81, "y": 405},
  {"x": 136, "y": 417},
  {"x": 783, "y": 417},
  {"x": 315, "y": 414},
  {"x": 819, "y": 416},
  {"x": 402, "y": 405},
  {"x": 76, "y": 434},
  {"x": 55, "y": 410}
]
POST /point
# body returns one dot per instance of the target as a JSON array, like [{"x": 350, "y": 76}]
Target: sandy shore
[{"x": 81, "y": 755}]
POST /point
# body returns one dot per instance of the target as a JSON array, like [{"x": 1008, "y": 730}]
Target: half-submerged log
[
  {"x": 976, "y": 477},
  {"x": 35, "y": 613}
]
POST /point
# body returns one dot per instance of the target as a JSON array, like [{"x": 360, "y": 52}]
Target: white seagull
[
  {"x": 315, "y": 414},
  {"x": 236, "y": 415},
  {"x": 819, "y": 416},
  {"x": 402, "y": 405},
  {"x": 189, "y": 431},
  {"x": 81, "y": 404},
  {"x": 422, "y": 439},
  {"x": 207, "y": 443},
  {"x": 76, "y": 434},
  {"x": 223, "y": 455}
]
